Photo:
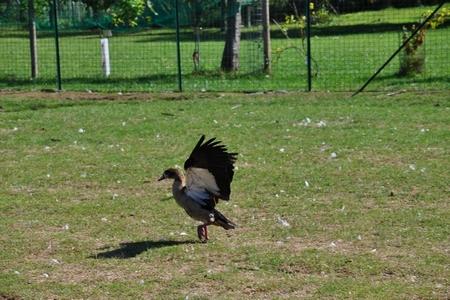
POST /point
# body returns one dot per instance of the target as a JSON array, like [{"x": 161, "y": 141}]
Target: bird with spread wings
[{"x": 209, "y": 173}]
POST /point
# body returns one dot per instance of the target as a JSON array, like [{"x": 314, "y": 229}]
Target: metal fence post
[
  {"x": 308, "y": 42},
  {"x": 266, "y": 36},
  {"x": 58, "y": 60},
  {"x": 177, "y": 21},
  {"x": 32, "y": 38}
]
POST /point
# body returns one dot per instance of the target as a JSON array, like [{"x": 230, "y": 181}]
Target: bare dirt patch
[
  {"x": 34, "y": 95},
  {"x": 6, "y": 297},
  {"x": 110, "y": 96}
]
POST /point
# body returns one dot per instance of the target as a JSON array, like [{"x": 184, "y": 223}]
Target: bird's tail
[{"x": 222, "y": 221}]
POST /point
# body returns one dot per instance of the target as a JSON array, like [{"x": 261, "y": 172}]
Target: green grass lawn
[
  {"x": 346, "y": 53},
  {"x": 82, "y": 215},
  {"x": 385, "y": 16}
]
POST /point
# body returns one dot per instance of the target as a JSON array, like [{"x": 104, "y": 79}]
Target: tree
[
  {"x": 230, "y": 56},
  {"x": 98, "y": 5},
  {"x": 127, "y": 12},
  {"x": 124, "y": 12}
]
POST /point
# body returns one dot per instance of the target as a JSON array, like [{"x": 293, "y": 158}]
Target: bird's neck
[
  {"x": 178, "y": 190},
  {"x": 177, "y": 185},
  {"x": 178, "y": 182}
]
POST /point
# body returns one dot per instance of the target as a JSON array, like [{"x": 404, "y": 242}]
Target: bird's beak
[{"x": 162, "y": 177}]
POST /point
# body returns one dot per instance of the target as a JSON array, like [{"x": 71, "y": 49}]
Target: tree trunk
[
  {"x": 50, "y": 13},
  {"x": 230, "y": 57},
  {"x": 248, "y": 16},
  {"x": 223, "y": 9}
]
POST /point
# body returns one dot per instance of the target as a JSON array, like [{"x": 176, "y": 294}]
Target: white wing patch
[
  {"x": 200, "y": 183},
  {"x": 201, "y": 178}
]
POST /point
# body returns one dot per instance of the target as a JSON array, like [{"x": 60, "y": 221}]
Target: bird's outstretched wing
[{"x": 209, "y": 171}]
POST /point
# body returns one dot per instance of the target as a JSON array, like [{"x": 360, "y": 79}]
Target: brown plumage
[{"x": 209, "y": 173}]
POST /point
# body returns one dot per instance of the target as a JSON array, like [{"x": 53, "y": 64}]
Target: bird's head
[{"x": 170, "y": 174}]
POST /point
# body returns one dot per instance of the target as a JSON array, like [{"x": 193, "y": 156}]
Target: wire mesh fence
[{"x": 349, "y": 40}]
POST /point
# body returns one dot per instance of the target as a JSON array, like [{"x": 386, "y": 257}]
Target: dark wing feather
[{"x": 214, "y": 156}]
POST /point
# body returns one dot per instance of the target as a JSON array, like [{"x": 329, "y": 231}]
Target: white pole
[{"x": 105, "y": 57}]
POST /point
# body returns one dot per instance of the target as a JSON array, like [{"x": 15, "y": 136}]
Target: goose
[{"x": 209, "y": 171}]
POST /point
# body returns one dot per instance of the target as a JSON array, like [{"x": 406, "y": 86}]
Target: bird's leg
[{"x": 201, "y": 232}]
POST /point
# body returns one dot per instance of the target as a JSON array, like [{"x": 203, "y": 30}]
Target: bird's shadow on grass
[{"x": 132, "y": 249}]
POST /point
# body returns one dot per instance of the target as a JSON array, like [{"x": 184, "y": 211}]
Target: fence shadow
[
  {"x": 167, "y": 79},
  {"x": 132, "y": 249},
  {"x": 414, "y": 79},
  {"x": 50, "y": 83}
]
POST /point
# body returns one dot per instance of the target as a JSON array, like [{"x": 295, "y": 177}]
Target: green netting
[
  {"x": 77, "y": 15},
  {"x": 348, "y": 45},
  {"x": 191, "y": 13},
  {"x": 142, "y": 56}
]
